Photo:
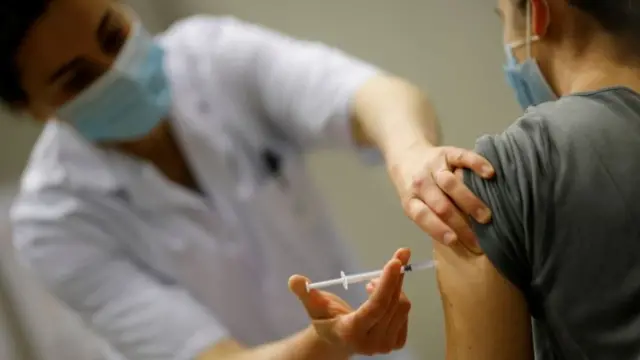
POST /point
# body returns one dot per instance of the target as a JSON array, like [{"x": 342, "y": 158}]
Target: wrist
[
  {"x": 396, "y": 149},
  {"x": 329, "y": 348}
]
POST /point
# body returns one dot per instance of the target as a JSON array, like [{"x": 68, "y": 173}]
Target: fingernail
[
  {"x": 487, "y": 170},
  {"x": 449, "y": 238},
  {"x": 483, "y": 215}
]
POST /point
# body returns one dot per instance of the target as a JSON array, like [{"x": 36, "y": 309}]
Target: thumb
[{"x": 312, "y": 300}]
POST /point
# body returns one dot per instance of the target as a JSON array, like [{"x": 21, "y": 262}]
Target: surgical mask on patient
[
  {"x": 127, "y": 102},
  {"x": 526, "y": 79}
]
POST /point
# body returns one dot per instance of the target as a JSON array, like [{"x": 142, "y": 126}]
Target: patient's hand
[{"x": 378, "y": 326}]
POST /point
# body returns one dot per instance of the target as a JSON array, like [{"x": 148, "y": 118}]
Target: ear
[{"x": 539, "y": 17}]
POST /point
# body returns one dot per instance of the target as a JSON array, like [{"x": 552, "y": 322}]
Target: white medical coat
[{"x": 162, "y": 272}]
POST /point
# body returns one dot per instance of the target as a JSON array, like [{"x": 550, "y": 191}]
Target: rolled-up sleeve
[
  {"x": 304, "y": 89},
  {"x": 518, "y": 196},
  {"x": 80, "y": 262}
]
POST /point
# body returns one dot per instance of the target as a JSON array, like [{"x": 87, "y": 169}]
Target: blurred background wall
[{"x": 451, "y": 48}]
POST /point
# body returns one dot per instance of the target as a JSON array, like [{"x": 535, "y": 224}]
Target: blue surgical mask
[
  {"x": 527, "y": 81},
  {"x": 529, "y": 84},
  {"x": 127, "y": 102}
]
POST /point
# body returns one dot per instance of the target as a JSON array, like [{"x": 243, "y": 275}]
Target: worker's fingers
[
  {"x": 401, "y": 341},
  {"x": 460, "y": 194},
  {"x": 448, "y": 213},
  {"x": 376, "y": 306},
  {"x": 372, "y": 285},
  {"x": 463, "y": 158},
  {"x": 429, "y": 221},
  {"x": 378, "y": 334},
  {"x": 313, "y": 301},
  {"x": 397, "y": 324},
  {"x": 403, "y": 255}
]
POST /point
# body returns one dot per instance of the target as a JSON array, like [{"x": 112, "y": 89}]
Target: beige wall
[{"x": 452, "y": 48}]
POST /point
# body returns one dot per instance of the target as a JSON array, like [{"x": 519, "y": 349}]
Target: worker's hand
[
  {"x": 378, "y": 326},
  {"x": 433, "y": 197}
]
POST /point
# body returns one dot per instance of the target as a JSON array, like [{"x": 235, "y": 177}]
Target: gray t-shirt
[{"x": 566, "y": 204}]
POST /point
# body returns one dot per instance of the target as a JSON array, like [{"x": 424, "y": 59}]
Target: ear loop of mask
[
  {"x": 528, "y": 30},
  {"x": 529, "y": 36}
]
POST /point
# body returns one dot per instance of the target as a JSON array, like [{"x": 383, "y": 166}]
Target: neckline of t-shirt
[{"x": 611, "y": 88}]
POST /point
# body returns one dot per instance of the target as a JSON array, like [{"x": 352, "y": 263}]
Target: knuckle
[
  {"x": 421, "y": 215},
  {"x": 415, "y": 210},
  {"x": 446, "y": 181},
  {"x": 442, "y": 208},
  {"x": 405, "y": 306},
  {"x": 417, "y": 182},
  {"x": 408, "y": 208},
  {"x": 458, "y": 154}
]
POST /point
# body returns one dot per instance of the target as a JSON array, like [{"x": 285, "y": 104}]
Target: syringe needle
[{"x": 345, "y": 280}]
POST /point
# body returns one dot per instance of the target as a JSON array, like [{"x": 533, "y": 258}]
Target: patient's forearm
[{"x": 305, "y": 345}]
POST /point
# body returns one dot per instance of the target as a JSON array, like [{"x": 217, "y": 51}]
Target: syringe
[{"x": 345, "y": 280}]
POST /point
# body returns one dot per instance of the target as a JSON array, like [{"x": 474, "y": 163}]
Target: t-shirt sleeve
[{"x": 517, "y": 196}]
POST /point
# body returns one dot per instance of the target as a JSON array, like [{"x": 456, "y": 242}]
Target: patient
[{"x": 560, "y": 274}]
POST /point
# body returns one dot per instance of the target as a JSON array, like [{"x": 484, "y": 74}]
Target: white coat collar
[{"x": 62, "y": 159}]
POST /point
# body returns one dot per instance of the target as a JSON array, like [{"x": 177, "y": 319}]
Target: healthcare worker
[{"x": 167, "y": 200}]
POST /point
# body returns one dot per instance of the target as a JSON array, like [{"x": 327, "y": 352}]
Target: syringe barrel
[
  {"x": 345, "y": 280},
  {"x": 324, "y": 284},
  {"x": 366, "y": 276}
]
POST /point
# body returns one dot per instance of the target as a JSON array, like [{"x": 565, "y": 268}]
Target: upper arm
[
  {"x": 304, "y": 89},
  {"x": 486, "y": 316},
  {"x": 487, "y": 298},
  {"x": 77, "y": 260}
]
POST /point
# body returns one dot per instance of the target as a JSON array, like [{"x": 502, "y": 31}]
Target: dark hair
[
  {"x": 16, "y": 17},
  {"x": 618, "y": 17}
]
